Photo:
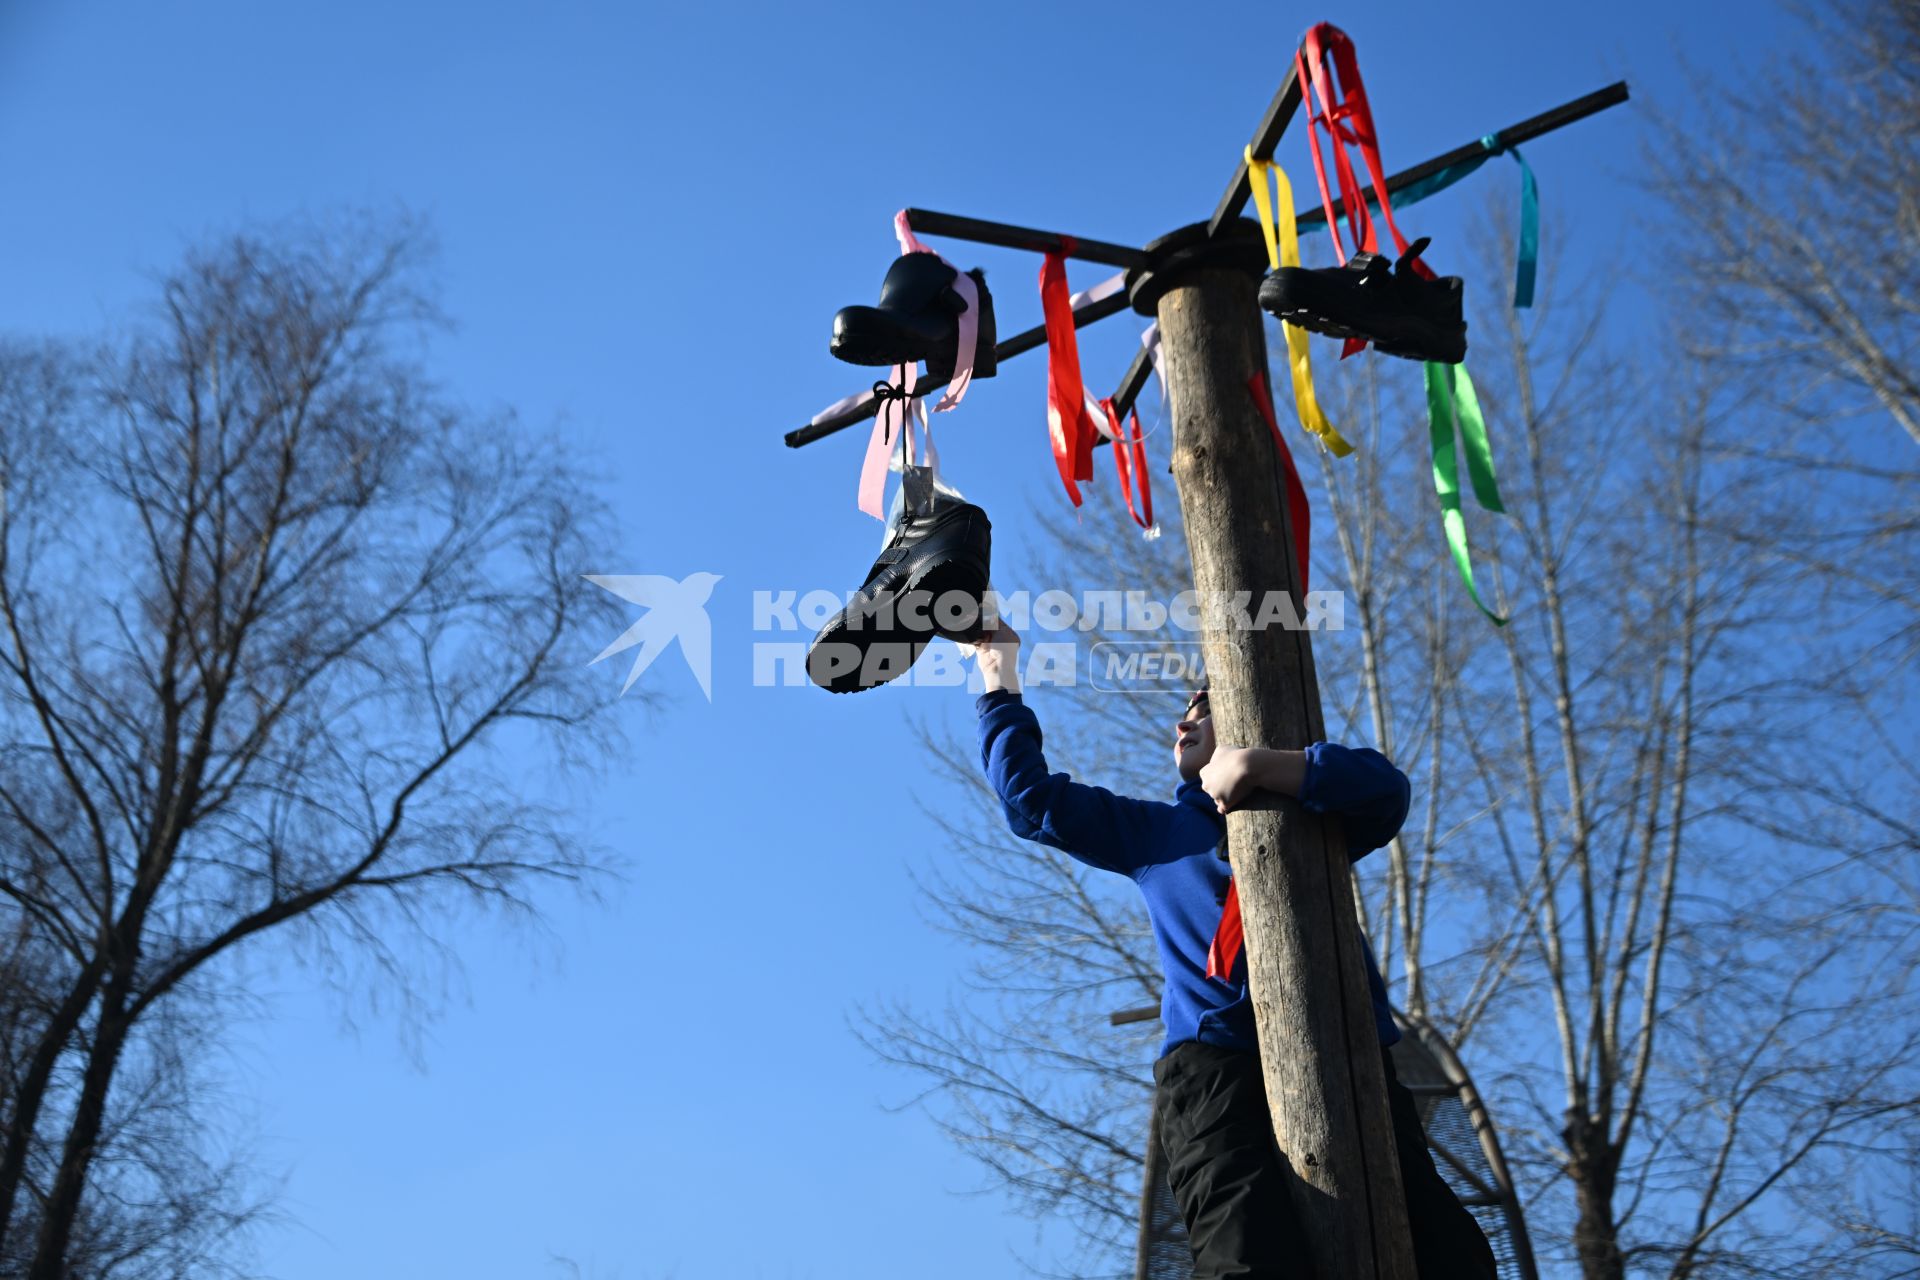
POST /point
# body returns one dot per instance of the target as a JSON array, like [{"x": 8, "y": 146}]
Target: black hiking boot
[
  {"x": 918, "y": 319},
  {"x": 1371, "y": 298},
  {"x": 930, "y": 580}
]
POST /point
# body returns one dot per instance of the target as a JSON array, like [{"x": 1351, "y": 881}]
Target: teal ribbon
[
  {"x": 1451, "y": 400},
  {"x": 1527, "y": 263}
]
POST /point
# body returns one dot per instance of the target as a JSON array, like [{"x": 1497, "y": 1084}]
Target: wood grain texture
[{"x": 1319, "y": 1049}]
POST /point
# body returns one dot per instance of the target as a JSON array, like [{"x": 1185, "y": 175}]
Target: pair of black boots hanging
[
  {"x": 1392, "y": 305},
  {"x": 931, "y": 577}
]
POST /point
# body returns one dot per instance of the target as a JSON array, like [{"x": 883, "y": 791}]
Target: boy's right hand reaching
[{"x": 998, "y": 653}]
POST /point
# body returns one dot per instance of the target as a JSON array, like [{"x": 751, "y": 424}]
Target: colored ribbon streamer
[
  {"x": 968, "y": 323},
  {"x": 1068, "y": 424},
  {"x": 1283, "y": 250},
  {"x": 1298, "y": 513},
  {"x": 873, "y": 469},
  {"x": 1348, "y": 122},
  {"x": 1130, "y": 462},
  {"x": 1451, "y": 398},
  {"x": 1224, "y": 952},
  {"x": 1526, "y": 262},
  {"x": 898, "y": 388},
  {"x": 1150, "y": 339}
]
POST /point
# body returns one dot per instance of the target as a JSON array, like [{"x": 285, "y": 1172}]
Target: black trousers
[{"x": 1227, "y": 1176}]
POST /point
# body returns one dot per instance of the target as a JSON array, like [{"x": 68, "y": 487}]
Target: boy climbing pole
[{"x": 1225, "y": 1170}]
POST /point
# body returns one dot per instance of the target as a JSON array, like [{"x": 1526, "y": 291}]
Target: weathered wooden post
[{"x": 1306, "y": 970}]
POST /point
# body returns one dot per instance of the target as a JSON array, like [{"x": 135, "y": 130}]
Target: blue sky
[{"x": 647, "y": 216}]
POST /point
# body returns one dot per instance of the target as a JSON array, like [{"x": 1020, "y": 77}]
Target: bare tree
[
  {"x": 272, "y": 609},
  {"x": 1795, "y": 191},
  {"x": 1801, "y": 219}
]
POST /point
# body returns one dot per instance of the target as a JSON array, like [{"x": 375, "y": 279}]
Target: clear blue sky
[{"x": 648, "y": 215}]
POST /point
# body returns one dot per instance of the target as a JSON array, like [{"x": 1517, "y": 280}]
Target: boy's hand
[
  {"x": 998, "y": 653},
  {"x": 1235, "y": 773},
  {"x": 1229, "y": 777}
]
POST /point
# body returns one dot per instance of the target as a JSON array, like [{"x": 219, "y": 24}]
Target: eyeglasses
[{"x": 1197, "y": 700}]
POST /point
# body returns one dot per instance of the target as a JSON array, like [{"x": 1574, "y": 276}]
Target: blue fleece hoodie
[{"x": 1169, "y": 851}]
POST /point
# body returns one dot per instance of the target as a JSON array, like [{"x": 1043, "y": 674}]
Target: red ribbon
[
  {"x": 1130, "y": 461},
  {"x": 1225, "y": 951},
  {"x": 1298, "y": 513},
  {"x": 1348, "y": 122},
  {"x": 1068, "y": 422}
]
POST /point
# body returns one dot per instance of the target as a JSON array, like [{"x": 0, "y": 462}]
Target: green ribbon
[
  {"x": 1451, "y": 399},
  {"x": 1527, "y": 262}
]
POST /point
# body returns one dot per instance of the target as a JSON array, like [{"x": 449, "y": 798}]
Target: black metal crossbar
[
  {"x": 1131, "y": 382},
  {"x": 1273, "y": 127},
  {"x": 980, "y": 231},
  {"x": 1511, "y": 136}
]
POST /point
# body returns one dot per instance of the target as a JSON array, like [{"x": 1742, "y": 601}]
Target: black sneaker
[
  {"x": 1371, "y": 298},
  {"x": 917, "y": 319},
  {"x": 930, "y": 580}
]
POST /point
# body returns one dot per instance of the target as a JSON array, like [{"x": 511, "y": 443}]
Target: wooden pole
[{"x": 1318, "y": 1045}]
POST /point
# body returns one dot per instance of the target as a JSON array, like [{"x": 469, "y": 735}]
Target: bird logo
[{"x": 675, "y": 610}]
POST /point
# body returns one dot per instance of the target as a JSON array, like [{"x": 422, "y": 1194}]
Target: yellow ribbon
[{"x": 1283, "y": 250}]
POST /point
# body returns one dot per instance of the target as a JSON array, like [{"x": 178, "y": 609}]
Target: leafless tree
[
  {"x": 1795, "y": 198},
  {"x": 272, "y": 614}
]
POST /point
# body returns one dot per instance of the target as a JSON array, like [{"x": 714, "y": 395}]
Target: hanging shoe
[
  {"x": 1374, "y": 299},
  {"x": 917, "y": 319},
  {"x": 931, "y": 579}
]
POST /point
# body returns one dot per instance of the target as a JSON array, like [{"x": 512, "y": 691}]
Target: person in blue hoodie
[{"x": 1223, "y": 1165}]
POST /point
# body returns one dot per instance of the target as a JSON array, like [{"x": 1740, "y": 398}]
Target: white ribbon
[{"x": 1105, "y": 289}]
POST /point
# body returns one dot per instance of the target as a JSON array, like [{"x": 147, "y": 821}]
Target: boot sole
[{"x": 1304, "y": 301}]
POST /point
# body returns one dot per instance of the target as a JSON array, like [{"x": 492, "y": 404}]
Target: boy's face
[{"x": 1193, "y": 738}]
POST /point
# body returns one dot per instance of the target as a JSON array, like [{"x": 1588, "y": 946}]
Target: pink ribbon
[
  {"x": 873, "y": 471},
  {"x": 969, "y": 319}
]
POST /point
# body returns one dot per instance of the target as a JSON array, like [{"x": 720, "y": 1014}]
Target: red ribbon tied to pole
[
  {"x": 1130, "y": 462},
  {"x": 1344, "y": 113},
  {"x": 1068, "y": 423}
]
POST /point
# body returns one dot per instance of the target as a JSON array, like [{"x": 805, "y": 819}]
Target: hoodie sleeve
[
  {"x": 1099, "y": 828},
  {"x": 1360, "y": 785}
]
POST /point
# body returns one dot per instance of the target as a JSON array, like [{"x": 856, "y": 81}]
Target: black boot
[
  {"x": 930, "y": 580},
  {"x": 918, "y": 319},
  {"x": 1386, "y": 304}
]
